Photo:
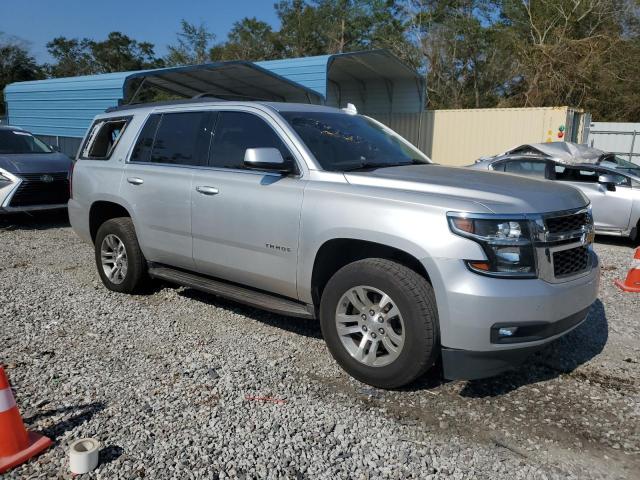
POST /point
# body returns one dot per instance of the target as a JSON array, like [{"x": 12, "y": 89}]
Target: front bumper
[
  {"x": 471, "y": 308},
  {"x": 473, "y": 365},
  {"x": 32, "y": 208},
  {"x": 28, "y": 192}
]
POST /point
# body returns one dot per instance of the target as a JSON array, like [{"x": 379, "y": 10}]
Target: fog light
[{"x": 507, "y": 331}]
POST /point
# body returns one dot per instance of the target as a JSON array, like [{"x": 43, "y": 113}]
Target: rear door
[
  {"x": 246, "y": 222},
  {"x": 157, "y": 183},
  {"x": 611, "y": 208}
]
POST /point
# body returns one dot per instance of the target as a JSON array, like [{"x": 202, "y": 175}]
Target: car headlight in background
[
  {"x": 506, "y": 242},
  {"x": 4, "y": 179}
]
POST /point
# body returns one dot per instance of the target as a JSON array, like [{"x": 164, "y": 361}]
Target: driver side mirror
[
  {"x": 55, "y": 148},
  {"x": 266, "y": 159},
  {"x": 608, "y": 181}
]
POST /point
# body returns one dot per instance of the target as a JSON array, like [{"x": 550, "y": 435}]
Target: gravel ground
[{"x": 165, "y": 382}]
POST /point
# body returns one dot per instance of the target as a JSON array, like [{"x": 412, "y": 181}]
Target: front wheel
[{"x": 380, "y": 322}]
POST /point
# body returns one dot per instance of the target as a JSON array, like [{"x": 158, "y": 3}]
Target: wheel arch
[
  {"x": 103, "y": 210},
  {"x": 335, "y": 253}
]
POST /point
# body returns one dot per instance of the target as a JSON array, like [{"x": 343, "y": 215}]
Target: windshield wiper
[{"x": 365, "y": 165}]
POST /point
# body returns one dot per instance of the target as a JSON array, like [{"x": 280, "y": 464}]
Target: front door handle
[
  {"x": 135, "y": 181},
  {"x": 203, "y": 189}
]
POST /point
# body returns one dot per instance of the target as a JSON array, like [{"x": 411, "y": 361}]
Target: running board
[{"x": 264, "y": 301}]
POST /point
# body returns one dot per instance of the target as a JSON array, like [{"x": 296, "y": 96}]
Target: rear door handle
[
  {"x": 135, "y": 181},
  {"x": 203, "y": 189}
]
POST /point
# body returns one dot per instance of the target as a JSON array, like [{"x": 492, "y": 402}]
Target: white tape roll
[{"x": 83, "y": 455}]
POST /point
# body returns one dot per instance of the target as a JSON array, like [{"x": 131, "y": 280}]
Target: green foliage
[
  {"x": 584, "y": 53},
  {"x": 317, "y": 27},
  {"x": 73, "y": 57},
  {"x": 16, "y": 65},
  {"x": 459, "y": 42},
  {"x": 249, "y": 39},
  {"x": 118, "y": 53},
  {"x": 192, "y": 47}
]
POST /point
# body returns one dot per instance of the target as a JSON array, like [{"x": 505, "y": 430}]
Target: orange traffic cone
[
  {"x": 16, "y": 444},
  {"x": 632, "y": 282}
]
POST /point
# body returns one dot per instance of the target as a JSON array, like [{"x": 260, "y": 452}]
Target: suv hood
[
  {"x": 498, "y": 192},
  {"x": 35, "y": 163}
]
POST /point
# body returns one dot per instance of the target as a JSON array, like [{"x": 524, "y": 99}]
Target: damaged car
[
  {"x": 611, "y": 183},
  {"x": 33, "y": 175}
]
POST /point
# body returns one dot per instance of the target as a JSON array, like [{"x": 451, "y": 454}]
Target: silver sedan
[{"x": 611, "y": 183}]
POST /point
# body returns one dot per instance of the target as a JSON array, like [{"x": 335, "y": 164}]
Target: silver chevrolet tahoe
[{"x": 316, "y": 212}]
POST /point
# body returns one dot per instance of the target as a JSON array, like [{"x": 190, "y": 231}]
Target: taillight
[{"x": 73, "y": 164}]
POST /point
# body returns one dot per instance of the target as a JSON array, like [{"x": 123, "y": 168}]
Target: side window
[
  {"x": 237, "y": 131},
  {"x": 590, "y": 176},
  {"x": 527, "y": 168},
  {"x": 498, "y": 166},
  {"x": 183, "y": 139},
  {"x": 144, "y": 144},
  {"x": 560, "y": 172},
  {"x": 621, "y": 180},
  {"x": 103, "y": 138}
]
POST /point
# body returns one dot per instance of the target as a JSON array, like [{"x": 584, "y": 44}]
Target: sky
[{"x": 39, "y": 21}]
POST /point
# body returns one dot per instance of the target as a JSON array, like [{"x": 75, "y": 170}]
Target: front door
[
  {"x": 246, "y": 223},
  {"x": 611, "y": 208}
]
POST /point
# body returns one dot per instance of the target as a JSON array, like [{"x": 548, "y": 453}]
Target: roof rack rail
[
  {"x": 228, "y": 97},
  {"x": 164, "y": 103}
]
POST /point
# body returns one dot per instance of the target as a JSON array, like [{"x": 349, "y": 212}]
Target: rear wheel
[
  {"x": 380, "y": 322},
  {"x": 121, "y": 264}
]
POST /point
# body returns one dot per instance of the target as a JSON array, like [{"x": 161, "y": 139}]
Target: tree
[
  {"x": 459, "y": 43},
  {"x": 119, "y": 53},
  {"x": 249, "y": 39},
  {"x": 334, "y": 26},
  {"x": 16, "y": 65},
  {"x": 73, "y": 57},
  {"x": 583, "y": 53},
  {"x": 301, "y": 29},
  {"x": 192, "y": 47}
]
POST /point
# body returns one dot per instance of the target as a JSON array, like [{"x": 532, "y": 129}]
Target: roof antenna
[{"x": 351, "y": 109}]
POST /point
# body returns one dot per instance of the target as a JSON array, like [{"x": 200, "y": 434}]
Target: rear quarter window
[{"x": 103, "y": 137}]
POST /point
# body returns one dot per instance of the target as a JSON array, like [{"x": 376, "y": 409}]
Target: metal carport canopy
[
  {"x": 376, "y": 81},
  {"x": 237, "y": 78},
  {"x": 382, "y": 82}
]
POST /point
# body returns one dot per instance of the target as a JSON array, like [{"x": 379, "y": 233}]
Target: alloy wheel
[
  {"x": 113, "y": 255},
  {"x": 370, "y": 326}
]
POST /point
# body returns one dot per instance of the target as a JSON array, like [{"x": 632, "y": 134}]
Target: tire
[
  {"x": 134, "y": 277},
  {"x": 635, "y": 235},
  {"x": 417, "y": 319}
]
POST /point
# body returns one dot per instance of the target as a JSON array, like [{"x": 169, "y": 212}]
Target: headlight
[
  {"x": 506, "y": 242},
  {"x": 4, "y": 179}
]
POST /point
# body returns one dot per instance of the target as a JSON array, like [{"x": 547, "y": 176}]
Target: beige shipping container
[{"x": 459, "y": 137}]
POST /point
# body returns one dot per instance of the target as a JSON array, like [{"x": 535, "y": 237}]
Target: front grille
[
  {"x": 566, "y": 223},
  {"x": 34, "y": 190},
  {"x": 570, "y": 262}
]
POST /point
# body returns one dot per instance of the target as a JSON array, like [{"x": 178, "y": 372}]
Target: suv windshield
[
  {"x": 17, "y": 141},
  {"x": 342, "y": 142}
]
